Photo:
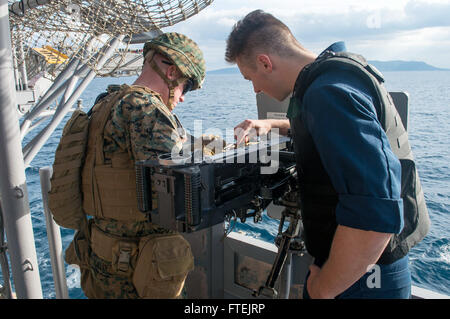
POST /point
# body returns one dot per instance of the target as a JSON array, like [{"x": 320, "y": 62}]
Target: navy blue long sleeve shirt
[{"x": 339, "y": 113}]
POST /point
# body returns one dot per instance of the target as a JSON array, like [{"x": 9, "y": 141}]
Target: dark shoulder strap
[{"x": 345, "y": 61}]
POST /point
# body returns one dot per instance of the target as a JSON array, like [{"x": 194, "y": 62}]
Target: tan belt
[{"x": 120, "y": 252}]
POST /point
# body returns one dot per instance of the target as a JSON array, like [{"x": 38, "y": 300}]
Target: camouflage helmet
[{"x": 183, "y": 52}]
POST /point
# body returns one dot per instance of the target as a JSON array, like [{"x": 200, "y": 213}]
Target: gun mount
[{"x": 194, "y": 194}]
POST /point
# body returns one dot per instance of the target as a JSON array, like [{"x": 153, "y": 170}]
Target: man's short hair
[{"x": 259, "y": 30}]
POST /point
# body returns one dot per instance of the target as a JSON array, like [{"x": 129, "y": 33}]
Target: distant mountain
[
  {"x": 232, "y": 70},
  {"x": 383, "y": 66},
  {"x": 404, "y": 66}
]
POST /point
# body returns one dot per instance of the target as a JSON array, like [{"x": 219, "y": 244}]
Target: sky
[{"x": 408, "y": 30}]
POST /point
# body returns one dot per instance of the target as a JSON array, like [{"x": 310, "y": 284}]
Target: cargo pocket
[
  {"x": 78, "y": 251},
  {"x": 162, "y": 266}
]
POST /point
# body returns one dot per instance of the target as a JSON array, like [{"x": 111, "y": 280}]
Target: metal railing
[{"x": 54, "y": 238}]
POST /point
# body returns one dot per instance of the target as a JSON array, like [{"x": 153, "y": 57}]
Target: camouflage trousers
[{"x": 98, "y": 283}]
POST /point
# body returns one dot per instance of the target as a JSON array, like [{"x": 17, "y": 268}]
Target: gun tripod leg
[{"x": 294, "y": 225}]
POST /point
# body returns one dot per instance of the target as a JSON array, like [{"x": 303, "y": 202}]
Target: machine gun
[{"x": 196, "y": 194}]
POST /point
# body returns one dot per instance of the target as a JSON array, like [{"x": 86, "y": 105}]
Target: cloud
[
  {"x": 368, "y": 22},
  {"x": 364, "y": 24},
  {"x": 226, "y": 22},
  {"x": 427, "y": 44}
]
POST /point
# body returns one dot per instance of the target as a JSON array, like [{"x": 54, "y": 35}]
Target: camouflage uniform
[{"x": 141, "y": 125}]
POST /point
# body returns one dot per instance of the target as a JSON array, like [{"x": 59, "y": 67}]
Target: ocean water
[{"x": 228, "y": 99}]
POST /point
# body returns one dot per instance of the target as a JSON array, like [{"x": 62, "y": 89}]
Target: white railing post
[
  {"x": 13, "y": 187},
  {"x": 54, "y": 238}
]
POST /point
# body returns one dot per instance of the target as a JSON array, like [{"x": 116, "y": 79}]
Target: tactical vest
[
  {"x": 317, "y": 194},
  {"x": 65, "y": 198},
  {"x": 109, "y": 189},
  {"x": 79, "y": 152}
]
